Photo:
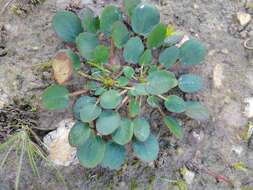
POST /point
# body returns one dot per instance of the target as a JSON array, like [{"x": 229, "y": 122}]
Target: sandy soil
[{"x": 228, "y": 75}]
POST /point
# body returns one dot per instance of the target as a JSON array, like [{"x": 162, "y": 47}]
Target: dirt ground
[{"x": 30, "y": 41}]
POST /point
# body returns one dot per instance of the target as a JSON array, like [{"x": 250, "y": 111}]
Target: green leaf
[
  {"x": 146, "y": 58},
  {"x": 92, "y": 85},
  {"x": 74, "y": 58},
  {"x": 90, "y": 112},
  {"x": 120, "y": 34},
  {"x": 90, "y": 22},
  {"x": 138, "y": 90},
  {"x": 192, "y": 52},
  {"x": 78, "y": 134},
  {"x": 156, "y": 36},
  {"x": 174, "y": 126},
  {"x": 80, "y": 103},
  {"x": 128, "y": 72},
  {"x": 55, "y": 97},
  {"x": 86, "y": 44},
  {"x": 133, "y": 108},
  {"x": 141, "y": 129},
  {"x": 172, "y": 40},
  {"x": 133, "y": 50},
  {"x": 144, "y": 18},
  {"x": 67, "y": 26},
  {"x": 110, "y": 99},
  {"x": 197, "y": 111},
  {"x": 122, "y": 81},
  {"x": 148, "y": 150},
  {"x": 169, "y": 56},
  {"x": 91, "y": 153},
  {"x": 129, "y": 6},
  {"x": 114, "y": 156},
  {"x": 190, "y": 83},
  {"x": 175, "y": 104},
  {"x": 99, "y": 91},
  {"x": 152, "y": 68},
  {"x": 153, "y": 101},
  {"x": 124, "y": 133},
  {"x": 109, "y": 15},
  {"x": 101, "y": 54},
  {"x": 108, "y": 122},
  {"x": 160, "y": 82}
]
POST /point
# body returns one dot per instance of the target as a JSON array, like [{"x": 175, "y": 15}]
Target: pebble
[
  {"x": 60, "y": 151},
  {"x": 243, "y": 18},
  {"x": 237, "y": 149},
  {"x": 248, "y": 110},
  {"x": 189, "y": 176},
  {"x": 218, "y": 76}
]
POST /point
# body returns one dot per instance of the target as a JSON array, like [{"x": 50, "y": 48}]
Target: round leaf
[
  {"x": 148, "y": 150},
  {"x": 175, "y": 104},
  {"x": 89, "y": 22},
  {"x": 156, "y": 36},
  {"x": 120, "y": 34},
  {"x": 146, "y": 58},
  {"x": 91, "y": 153},
  {"x": 138, "y": 90},
  {"x": 122, "y": 81},
  {"x": 74, "y": 58},
  {"x": 190, "y": 83},
  {"x": 124, "y": 133},
  {"x": 196, "y": 111},
  {"x": 80, "y": 103},
  {"x": 89, "y": 112},
  {"x": 141, "y": 129},
  {"x": 101, "y": 54},
  {"x": 114, "y": 156},
  {"x": 174, "y": 126},
  {"x": 153, "y": 101},
  {"x": 144, "y": 18},
  {"x": 78, "y": 134},
  {"x": 129, "y": 5},
  {"x": 55, "y": 97},
  {"x": 172, "y": 40},
  {"x": 67, "y": 26},
  {"x": 133, "y": 50},
  {"x": 128, "y": 72},
  {"x": 160, "y": 82},
  {"x": 109, "y": 15},
  {"x": 110, "y": 99},
  {"x": 133, "y": 108},
  {"x": 192, "y": 52},
  {"x": 169, "y": 56},
  {"x": 86, "y": 44},
  {"x": 108, "y": 122}
]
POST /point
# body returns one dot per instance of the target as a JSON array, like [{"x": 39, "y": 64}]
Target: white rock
[
  {"x": 189, "y": 176},
  {"x": 243, "y": 18},
  {"x": 4, "y": 99},
  {"x": 60, "y": 151},
  {"x": 218, "y": 76},
  {"x": 237, "y": 149},
  {"x": 248, "y": 111}
]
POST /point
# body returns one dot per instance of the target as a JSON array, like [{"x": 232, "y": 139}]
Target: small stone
[
  {"x": 195, "y": 6},
  {"x": 4, "y": 100},
  {"x": 218, "y": 76},
  {"x": 224, "y": 51},
  {"x": 237, "y": 149},
  {"x": 248, "y": 111},
  {"x": 243, "y": 18},
  {"x": 188, "y": 176},
  {"x": 60, "y": 151}
]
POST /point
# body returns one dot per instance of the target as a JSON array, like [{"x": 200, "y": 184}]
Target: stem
[
  {"x": 124, "y": 87},
  {"x": 89, "y": 77},
  {"x": 98, "y": 66},
  {"x": 161, "y": 111},
  {"x": 111, "y": 56},
  {"x": 123, "y": 92},
  {"x": 122, "y": 103},
  {"x": 162, "y": 97},
  {"x": 78, "y": 92}
]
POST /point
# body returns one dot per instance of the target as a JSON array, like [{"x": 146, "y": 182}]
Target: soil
[{"x": 27, "y": 43}]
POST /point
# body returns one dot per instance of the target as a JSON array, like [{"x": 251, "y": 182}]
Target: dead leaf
[{"x": 62, "y": 67}]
